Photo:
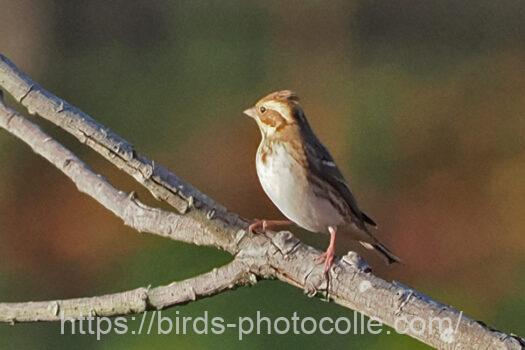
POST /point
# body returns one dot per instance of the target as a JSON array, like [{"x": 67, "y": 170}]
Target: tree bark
[{"x": 200, "y": 220}]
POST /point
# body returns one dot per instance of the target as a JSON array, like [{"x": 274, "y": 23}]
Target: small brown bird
[{"x": 301, "y": 178}]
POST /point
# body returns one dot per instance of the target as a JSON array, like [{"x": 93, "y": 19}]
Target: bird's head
[{"x": 275, "y": 112}]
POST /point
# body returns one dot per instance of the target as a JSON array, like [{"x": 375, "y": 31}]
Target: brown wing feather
[
  {"x": 369, "y": 220},
  {"x": 323, "y": 165}
]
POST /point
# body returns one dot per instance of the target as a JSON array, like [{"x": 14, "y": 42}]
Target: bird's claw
[
  {"x": 327, "y": 258},
  {"x": 265, "y": 225},
  {"x": 256, "y": 225}
]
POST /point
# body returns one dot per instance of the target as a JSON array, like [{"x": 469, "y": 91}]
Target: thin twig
[{"x": 134, "y": 301}]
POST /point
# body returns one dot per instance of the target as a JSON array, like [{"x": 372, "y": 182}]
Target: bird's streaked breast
[{"x": 286, "y": 182}]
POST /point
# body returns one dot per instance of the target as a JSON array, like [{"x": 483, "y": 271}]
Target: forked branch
[{"x": 199, "y": 220}]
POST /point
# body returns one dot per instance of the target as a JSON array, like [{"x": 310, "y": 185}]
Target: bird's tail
[{"x": 386, "y": 254}]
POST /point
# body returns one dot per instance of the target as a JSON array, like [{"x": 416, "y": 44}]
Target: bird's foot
[
  {"x": 327, "y": 258},
  {"x": 263, "y": 225},
  {"x": 256, "y": 225}
]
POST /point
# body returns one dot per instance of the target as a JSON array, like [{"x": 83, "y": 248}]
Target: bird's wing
[{"x": 323, "y": 166}]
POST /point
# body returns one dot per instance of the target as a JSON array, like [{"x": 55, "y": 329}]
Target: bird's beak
[{"x": 250, "y": 112}]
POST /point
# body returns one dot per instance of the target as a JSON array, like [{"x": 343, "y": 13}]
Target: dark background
[{"x": 420, "y": 102}]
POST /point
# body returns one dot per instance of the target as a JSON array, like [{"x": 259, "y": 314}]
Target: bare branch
[
  {"x": 271, "y": 255},
  {"x": 126, "y": 206},
  {"x": 162, "y": 183},
  {"x": 131, "y": 302}
]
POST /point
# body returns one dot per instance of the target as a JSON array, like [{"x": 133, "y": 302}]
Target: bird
[{"x": 298, "y": 174}]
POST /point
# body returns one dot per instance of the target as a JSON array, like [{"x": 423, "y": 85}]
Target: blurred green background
[{"x": 422, "y": 103}]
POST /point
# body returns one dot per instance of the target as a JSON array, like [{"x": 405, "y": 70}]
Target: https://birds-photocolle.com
[{"x": 301, "y": 178}]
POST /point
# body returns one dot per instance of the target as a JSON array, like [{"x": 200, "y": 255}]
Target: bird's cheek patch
[{"x": 273, "y": 120}]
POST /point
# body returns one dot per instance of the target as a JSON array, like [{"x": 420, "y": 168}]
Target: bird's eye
[{"x": 262, "y": 109}]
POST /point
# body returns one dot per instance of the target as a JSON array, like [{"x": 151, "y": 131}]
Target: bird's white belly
[{"x": 284, "y": 180}]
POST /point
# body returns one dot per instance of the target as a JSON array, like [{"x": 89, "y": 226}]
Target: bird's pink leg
[
  {"x": 328, "y": 256},
  {"x": 268, "y": 225}
]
